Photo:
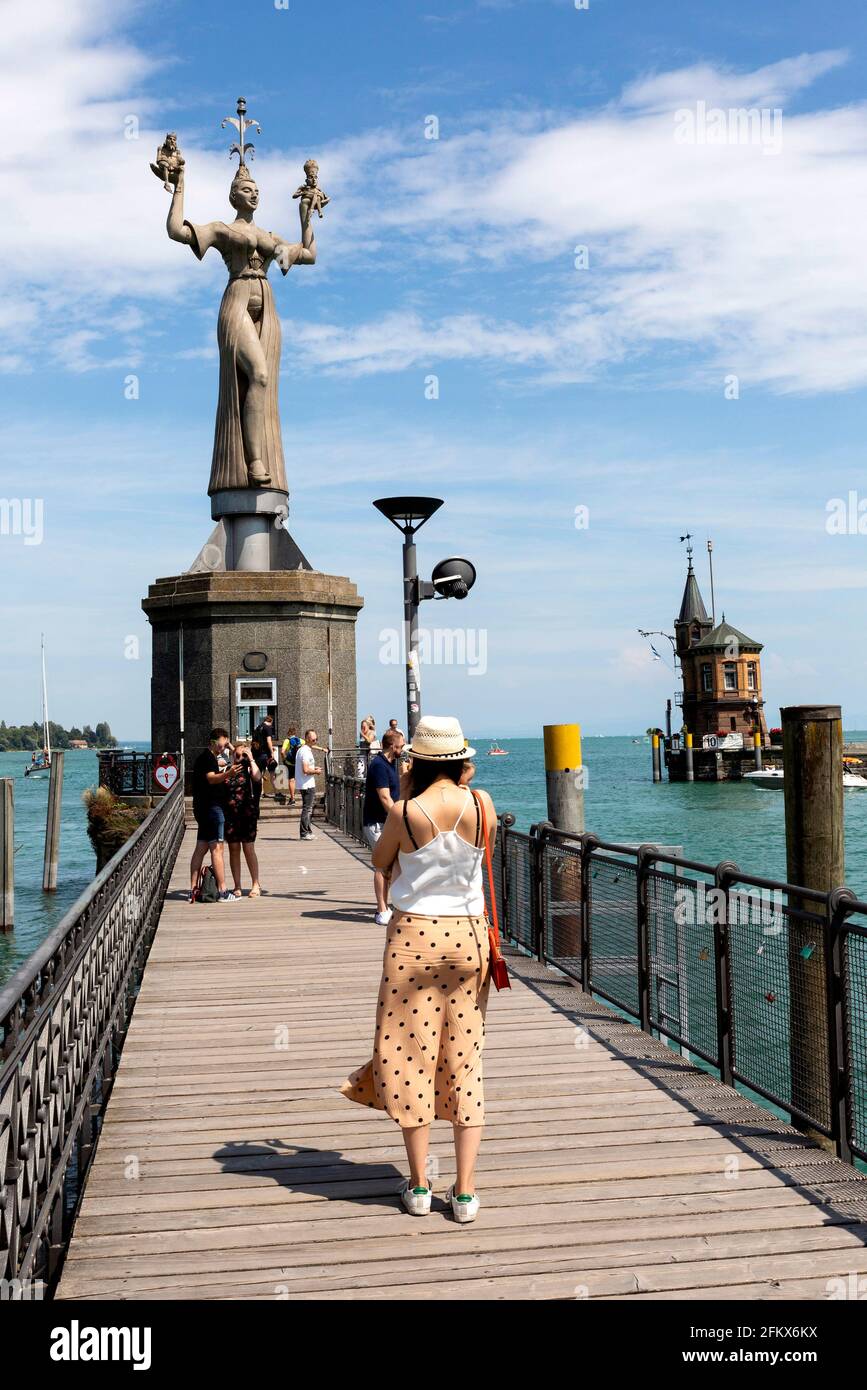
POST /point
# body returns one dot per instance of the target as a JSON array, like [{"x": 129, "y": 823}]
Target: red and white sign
[{"x": 166, "y": 771}]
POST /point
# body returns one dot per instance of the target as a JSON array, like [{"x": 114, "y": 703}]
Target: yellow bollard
[{"x": 564, "y": 776}]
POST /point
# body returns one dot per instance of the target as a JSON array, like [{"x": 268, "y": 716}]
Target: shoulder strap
[
  {"x": 406, "y": 823},
  {"x": 495, "y": 924},
  {"x": 427, "y": 814},
  {"x": 461, "y": 816}
]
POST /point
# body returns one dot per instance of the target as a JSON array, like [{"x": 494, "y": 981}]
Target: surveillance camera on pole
[{"x": 452, "y": 578}]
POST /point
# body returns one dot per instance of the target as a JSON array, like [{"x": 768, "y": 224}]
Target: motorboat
[
  {"x": 771, "y": 778},
  {"x": 495, "y": 751}
]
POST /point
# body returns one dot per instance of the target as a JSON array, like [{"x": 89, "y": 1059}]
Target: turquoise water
[
  {"x": 36, "y": 913},
  {"x": 711, "y": 821}
]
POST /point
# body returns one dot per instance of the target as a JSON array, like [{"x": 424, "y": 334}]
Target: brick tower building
[{"x": 721, "y": 670}]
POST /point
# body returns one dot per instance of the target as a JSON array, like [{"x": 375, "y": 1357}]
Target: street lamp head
[
  {"x": 453, "y": 578},
  {"x": 408, "y": 513}
]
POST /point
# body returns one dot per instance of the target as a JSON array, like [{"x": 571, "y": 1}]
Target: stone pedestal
[
  {"x": 249, "y": 534},
  {"x": 215, "y": 628}
]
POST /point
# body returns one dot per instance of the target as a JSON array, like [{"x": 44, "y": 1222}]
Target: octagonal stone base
[{"x": 289, "y": 625}]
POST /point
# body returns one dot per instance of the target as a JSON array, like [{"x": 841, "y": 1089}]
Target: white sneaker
[
  {"x": 416, "y": 1200},
  {"x": 382, "y": 919},
  {"x": 464, "y": 1208}
]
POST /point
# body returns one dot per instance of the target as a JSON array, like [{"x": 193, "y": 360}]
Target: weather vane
[
  {"x": 688, "y": 539},
  {"x": 242, "y": 125}
]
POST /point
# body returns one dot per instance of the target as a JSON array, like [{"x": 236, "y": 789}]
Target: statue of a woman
[{"x": 248, "y": 449}]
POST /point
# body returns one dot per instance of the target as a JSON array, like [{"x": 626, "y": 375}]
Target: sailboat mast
[{"x": 45, "y": 734}]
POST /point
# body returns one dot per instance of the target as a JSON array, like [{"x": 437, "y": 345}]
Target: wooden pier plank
[{"x": 229, "y": 1166}]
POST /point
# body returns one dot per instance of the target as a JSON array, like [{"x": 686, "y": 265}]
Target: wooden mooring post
[
  {"x": 757, "y": 750},
  {"x": 689, "y": 769},
  {"x": 7, "y": 853},
  {"x": 564, "y": 787},
  {"x": 815, "y": 858},
  {"x": 52, "y": 824},
  {"x": 564, "y": 776}
]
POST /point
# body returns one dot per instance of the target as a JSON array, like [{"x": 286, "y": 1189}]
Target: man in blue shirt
[{"x": 381, "y": 791}]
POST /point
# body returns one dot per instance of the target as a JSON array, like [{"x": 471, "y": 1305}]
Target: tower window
[
  {"x": 706, "y": 680},
  {"x": 695, "y": 635},
  {"x": 730, "y": 676},
  {"x": 733, "y": 723},
  {"x": 751, "y": 675}
]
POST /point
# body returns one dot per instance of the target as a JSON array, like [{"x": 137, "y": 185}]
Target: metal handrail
[
  {"x": 794, "y": 1036},
  {"x": 63, "y": 1019}
]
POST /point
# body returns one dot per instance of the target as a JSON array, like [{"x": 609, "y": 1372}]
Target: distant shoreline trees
[{"x": 29, "y": 737}]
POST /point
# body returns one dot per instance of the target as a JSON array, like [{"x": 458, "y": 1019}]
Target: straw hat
[{"x": 439, "y": 738}]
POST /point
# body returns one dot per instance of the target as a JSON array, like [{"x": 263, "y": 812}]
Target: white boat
[
  {"x": 495, "y": 751},
  {"x": 42, "y": 768},
  {"x": 771, "y": 778}
]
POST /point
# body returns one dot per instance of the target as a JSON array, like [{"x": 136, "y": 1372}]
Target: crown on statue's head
[{"x": 242, "y": 173}]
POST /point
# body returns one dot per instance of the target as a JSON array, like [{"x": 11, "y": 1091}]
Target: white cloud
[
  {"x": 704, "y": 259},
  {"x": 748, "y": 258},
  {"x": 767, "y": 86}
]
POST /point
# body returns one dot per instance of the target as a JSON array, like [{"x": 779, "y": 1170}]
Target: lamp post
[{"x": 451, "y": 579}]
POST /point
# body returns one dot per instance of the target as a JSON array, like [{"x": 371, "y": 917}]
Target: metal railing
[
  {"x": 126, "y": 772},
  {"x": 63, "y": 1019},
  {"x": 763, "y": 981},
  {"x": 350, "y": 763}
]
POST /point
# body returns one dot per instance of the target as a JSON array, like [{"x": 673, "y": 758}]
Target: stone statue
[
  {"x": 248, "y": 448},
  {"x": 310, "y": 192},
  {"x": 168, "y": 163}
]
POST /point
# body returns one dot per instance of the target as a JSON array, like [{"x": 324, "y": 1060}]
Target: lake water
[
  {"x": 711, "y": 821},
  {"x": 36, "y": 913}
]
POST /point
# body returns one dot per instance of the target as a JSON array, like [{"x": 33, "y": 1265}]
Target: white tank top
[{"x": 442, "y": 878}]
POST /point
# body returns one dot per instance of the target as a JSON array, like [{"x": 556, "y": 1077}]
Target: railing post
[
  {"x": 723, "y": 875},
  {"x": 588, "y": 844},
  {"x": 839, "y": 1071},
  {"x": 507, "y": 820},
  {"x": 643, "y": 863},
  {"x": 537, "y": 886}
]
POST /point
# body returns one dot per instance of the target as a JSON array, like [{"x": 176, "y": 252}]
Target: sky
[{"x": 561, "y": 284}]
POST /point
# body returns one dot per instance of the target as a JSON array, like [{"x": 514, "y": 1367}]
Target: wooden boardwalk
[{"x": 230, "y": 1167}]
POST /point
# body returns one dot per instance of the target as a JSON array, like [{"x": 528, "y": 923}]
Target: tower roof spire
[{"x": 692, "y": 607}]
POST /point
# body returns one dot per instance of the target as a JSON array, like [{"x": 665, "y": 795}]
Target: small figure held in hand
[
  {"x": 310, "y": 193},
  {"x": 169, "y": 163}
]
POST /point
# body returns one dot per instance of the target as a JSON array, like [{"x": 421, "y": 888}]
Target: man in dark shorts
[
  {"x": 209, "y": 779},
  {"x": 262, "y": 748},
  {"x": 381, "y": 791}
]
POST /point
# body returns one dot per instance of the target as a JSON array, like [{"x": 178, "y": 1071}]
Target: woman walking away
[
  {"x": 430, "y": 1020},
  {"x": 242, "y": 816}
]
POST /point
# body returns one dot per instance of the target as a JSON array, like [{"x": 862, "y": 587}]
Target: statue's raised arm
[{"x": 248, "y": 449}]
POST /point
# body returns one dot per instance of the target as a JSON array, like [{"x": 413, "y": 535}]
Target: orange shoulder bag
[{"x": 499, "y": 971}]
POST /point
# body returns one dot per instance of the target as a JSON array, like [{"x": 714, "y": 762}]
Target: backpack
[{"x": 207, "y": 886}]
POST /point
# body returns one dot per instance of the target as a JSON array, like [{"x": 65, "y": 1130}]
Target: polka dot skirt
[{"x": 430, "y": 1023}]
